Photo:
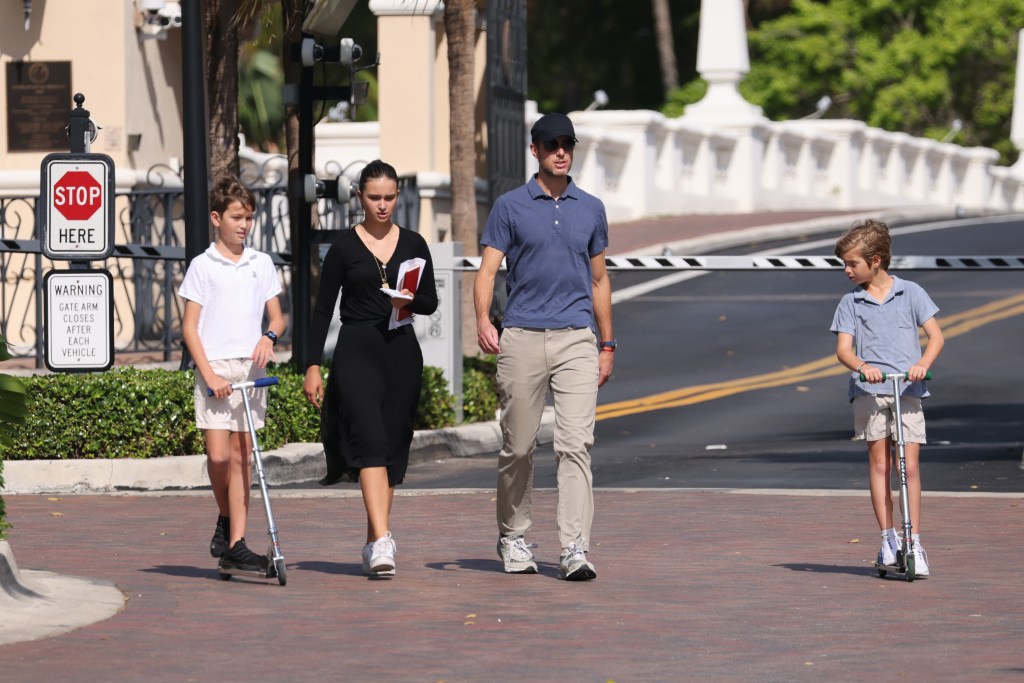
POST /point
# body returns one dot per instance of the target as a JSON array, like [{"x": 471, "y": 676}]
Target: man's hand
[
  {"x": 487, "y": 336},
  {"x": 605, "y": 361}
]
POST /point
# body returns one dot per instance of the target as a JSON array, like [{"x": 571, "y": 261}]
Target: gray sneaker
[
  {"x": 516, "y": 556},
  {"x": 573, "y": 565}
]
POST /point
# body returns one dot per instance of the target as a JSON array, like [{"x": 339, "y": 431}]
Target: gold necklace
[
  {"x": 383, "y": 275},
  {"x": 380, "y": 264}
]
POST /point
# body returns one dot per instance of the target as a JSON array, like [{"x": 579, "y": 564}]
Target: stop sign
[{"x": 77, "y": 195}]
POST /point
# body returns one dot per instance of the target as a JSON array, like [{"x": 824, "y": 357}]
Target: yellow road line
[{"x": 952, "y": 326}]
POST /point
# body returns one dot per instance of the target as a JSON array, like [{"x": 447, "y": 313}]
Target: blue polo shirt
[
  {"x": 885, "y": 334},
  {"x": 548, "y": 243}
]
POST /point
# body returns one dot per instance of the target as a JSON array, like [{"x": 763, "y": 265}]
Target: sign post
[{"x": 76, "y": 224}]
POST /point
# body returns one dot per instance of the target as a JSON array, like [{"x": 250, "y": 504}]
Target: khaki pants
[{"x": 531, "y": 363}]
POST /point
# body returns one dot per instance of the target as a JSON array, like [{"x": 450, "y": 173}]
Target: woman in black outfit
[{"x": 374, "y": 384}]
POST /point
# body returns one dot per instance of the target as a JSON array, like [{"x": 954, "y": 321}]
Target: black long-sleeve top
[{"x": 351, "y": 268}]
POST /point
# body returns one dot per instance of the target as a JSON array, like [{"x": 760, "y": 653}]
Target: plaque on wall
[{"x": 38, "y": 103}]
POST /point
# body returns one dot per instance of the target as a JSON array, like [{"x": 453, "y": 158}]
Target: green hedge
[
  {"x": 132, "y": 413},
  {"x": 480, "y": 389}
]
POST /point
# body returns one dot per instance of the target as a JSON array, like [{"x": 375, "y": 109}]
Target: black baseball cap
[{"x": 552, "y": 127}]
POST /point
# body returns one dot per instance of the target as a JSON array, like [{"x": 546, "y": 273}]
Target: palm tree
[
  {"x": 460, "y": 29},
  {"x": 666, "y": 46}
]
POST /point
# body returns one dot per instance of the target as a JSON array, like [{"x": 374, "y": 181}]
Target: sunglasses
[{"x": 567, "y": 144}]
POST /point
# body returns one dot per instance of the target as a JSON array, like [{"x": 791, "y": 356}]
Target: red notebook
[
  {"x": 410, "y": 282},
  {"x": 409, "y": 274}
]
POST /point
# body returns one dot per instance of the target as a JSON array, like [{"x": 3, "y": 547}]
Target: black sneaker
[
  {"x": 219, "y": 542},
  {"x": 240, "y": 558}
]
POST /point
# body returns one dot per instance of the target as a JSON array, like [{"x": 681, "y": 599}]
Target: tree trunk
[
  {"x": 222, "y": 85},
  {"x": 460, "y": 29},
  {"x": 666, "y": 46}
]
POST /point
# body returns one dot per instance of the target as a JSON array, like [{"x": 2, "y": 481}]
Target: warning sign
[{"x": 79, "y": 320}]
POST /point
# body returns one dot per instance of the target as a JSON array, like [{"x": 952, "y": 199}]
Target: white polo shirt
[{"x": 233, "y": 297}]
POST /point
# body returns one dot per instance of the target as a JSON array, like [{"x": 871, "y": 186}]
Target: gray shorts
[
  {"x": 229, "y": 413},
  {"x": 872, "y": 418}
]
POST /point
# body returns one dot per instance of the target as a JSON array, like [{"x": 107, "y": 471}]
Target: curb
[
  {"x": 293, "y": 463},
  {"x": 815, "y": 226}
]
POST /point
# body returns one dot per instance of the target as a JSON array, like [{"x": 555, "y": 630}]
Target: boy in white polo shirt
[{"x": 226, "y": 289}]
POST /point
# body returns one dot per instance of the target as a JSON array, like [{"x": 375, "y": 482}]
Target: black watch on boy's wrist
[{"x": 272, "y": 336}]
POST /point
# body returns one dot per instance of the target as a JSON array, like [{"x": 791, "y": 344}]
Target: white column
[
  {"x": 722, "y": 61},
  {"x": 410, "y": 40},
  {"x": 1017, "y": 122}
]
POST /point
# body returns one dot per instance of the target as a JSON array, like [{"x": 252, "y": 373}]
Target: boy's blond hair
[{"x": 869, "y": 238}]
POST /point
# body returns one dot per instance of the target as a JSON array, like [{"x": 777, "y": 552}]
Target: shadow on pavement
[
  {"x": 825, "y": 569},
  {"x": 335, "y": 568},
  {"x": 184, "y": 570}
]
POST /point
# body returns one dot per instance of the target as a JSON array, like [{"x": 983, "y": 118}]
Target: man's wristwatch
[
  {"x": 271, "y": 335},
  {"x": 607, "y": 345}
]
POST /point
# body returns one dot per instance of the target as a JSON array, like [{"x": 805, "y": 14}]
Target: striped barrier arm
[
  {"x": 622, "y": 263},
  {"x": 763, "y": 263}
]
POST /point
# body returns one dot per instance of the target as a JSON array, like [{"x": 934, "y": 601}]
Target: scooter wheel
[
  {"x": 223, "y": 576},
  {"x": 911, "y": 568},
  {"x": 282, "y": 577},
  {"x": 881, "y": 573}
]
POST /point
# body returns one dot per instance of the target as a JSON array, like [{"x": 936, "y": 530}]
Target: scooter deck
[
  {"x": 227, "y": 572},
  {"x": 896, "y": 571}
]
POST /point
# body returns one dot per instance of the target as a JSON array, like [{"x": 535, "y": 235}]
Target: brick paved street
[{"x": 691, "y": 585}]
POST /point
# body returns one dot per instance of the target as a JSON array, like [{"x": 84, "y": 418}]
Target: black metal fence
[{"x": 148, "y": 262}]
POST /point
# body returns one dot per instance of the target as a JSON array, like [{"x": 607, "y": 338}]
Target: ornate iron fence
[{"x": 148, "y": 261}]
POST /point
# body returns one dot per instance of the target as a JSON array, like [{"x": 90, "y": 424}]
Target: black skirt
[{"x": 370, "y": 401}]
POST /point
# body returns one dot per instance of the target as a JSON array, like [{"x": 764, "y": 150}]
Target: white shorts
[
  {"x": 872, "y": 418},
  {"x": 229, "y": 413}
]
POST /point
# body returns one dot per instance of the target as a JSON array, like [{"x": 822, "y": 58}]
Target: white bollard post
[{"x": 440, "y": 334}]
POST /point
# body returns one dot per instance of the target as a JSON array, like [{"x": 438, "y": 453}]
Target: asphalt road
[{"x": 748, "y": 405}]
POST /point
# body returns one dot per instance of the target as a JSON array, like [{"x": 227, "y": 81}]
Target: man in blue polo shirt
[{"x": 553, "y": 236}]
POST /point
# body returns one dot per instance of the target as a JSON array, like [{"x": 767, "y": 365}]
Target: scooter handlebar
[
  {"x": 257, "y": 383},
  {"x": 886, "y": 376}
]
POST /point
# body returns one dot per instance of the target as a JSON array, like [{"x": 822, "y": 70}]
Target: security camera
[
  {"x": 156, "y": 17},
  {"x": 169, "y": 16}
]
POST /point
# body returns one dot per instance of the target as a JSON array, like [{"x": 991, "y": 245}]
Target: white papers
[
  {"x": 395, "y": 294},
  {"x": 409, "y": 274}
]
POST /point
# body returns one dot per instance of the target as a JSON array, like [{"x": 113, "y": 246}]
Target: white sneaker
[
  {"x": 516, "y": 556},
  {"x": 379, "y": 556},
  {"x": 886, "y": 554},
  {"x": 920, "y": 560},
  {"x": 573, "y": 565}
]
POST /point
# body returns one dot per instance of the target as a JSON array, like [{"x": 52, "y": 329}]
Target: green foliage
[
  {"x": 437, "y": 406},
  {"x": 680, "y": 97},
  {"x": 479, "y": 389},
  {"x": 260, "y": 99},
  {"x": 13, "y": 410},
  {"x": 133, "y": 413},
  {"x": 290, "y": 417},
  {"x": 900, "y": 65},
  {"x": 125, "y": 413}
]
